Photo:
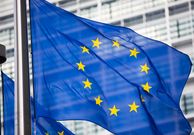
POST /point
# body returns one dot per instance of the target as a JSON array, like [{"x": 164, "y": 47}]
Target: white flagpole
[{"x": 22, "y": 88}]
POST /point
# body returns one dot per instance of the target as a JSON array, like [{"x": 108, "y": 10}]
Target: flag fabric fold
[
  {"x": 109, "y": 75},
  {"x": 44, "y": 126},
  {"x": 8, "y": 104}
]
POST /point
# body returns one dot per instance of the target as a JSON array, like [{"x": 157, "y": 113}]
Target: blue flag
[
  {"x": 109, "y": 75},
  {"x": 8, "y": 105},
  {"x": 44, "y": 126}
]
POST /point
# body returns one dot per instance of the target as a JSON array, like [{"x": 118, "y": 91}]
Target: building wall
[{"x": 170, "y": 21}]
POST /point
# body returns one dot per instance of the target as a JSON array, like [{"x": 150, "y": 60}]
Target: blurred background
[{"x": 170, "y": 21}]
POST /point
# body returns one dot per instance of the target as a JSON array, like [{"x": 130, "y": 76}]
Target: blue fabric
[
  {"x": 8, "y": 104},
  {"x": 43, "y": 125},
  {"x": 112, "y": 73}
]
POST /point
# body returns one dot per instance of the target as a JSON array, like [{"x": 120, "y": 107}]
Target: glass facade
[
  {"x": 170, "y": 21},
  {"x": 187, "y": 103}
]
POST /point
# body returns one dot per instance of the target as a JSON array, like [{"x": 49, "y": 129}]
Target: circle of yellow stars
[{"x": 133, "y": 107}]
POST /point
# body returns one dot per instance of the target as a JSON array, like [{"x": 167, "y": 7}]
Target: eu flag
[
  {"x": 47, "y": 126},
  {"x": 109, "y": 75},
  {"x": 44, "y": 126}
]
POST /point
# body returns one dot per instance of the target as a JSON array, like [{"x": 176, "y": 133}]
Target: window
[
  {"x": 173, "y": 1},
  {"x": 192, "y": 59},
  {"x": 7, "y": 36},
  {"x": 65, "y": 3},
  {"x": 82, "y": 1},
  {"x": 192, "y": 5},
  {"x": 133, "y": 21},
  {"x": 89, "y": 12},
  {"x": 187, "y": 103},
  {"x": 116, "y": 23},
  {"x": 157, "y": 30},
  {"x": 180, "y": 27},
  {"x": 155, "y": 15},
  {"x": 107, "y": 1},
  {"x": 178, "y": 9},
  {"x": 110, "y": 9},
  {"x": 10, "y": 53},
  {"x": 6, "y": 19}
]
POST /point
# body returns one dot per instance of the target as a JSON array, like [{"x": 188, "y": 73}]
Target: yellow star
[
  {"x": 142, "y": 99},
  {"x": 46, "y": 133},
  {"x": 116, "y": 44},
  {"x": 145, "y": 68},
  {"x": 61, "y": 133},
  {"x": 96, "y": 43},
  {"x": 146, "y": 87},
  {"x": 98, "y": 100},
  {"x": 81, "y": 66},
  {"x": 87, "y": 84},
  {"x": 134, "y": 52},
  {"x": 133, "y": 107},
  {"x": 84, "y": 49},
  {"x": 114, "y": 110}
]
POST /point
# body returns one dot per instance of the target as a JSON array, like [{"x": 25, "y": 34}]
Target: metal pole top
[{"x": 2, "y": 54}]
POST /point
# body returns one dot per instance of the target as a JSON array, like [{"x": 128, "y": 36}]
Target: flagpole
[{"x": 22, "y": 88}]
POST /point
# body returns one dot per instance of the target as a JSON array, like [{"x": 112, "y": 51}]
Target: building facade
[{"x": 170, "y": 21}]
